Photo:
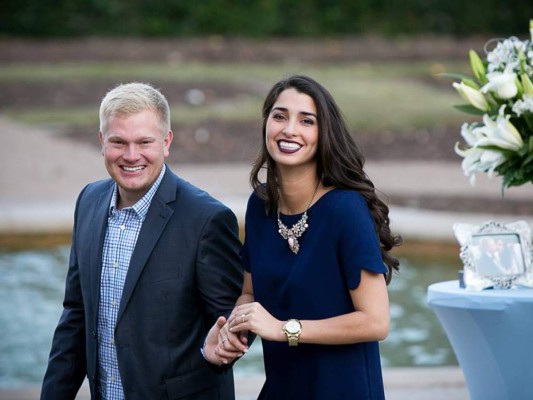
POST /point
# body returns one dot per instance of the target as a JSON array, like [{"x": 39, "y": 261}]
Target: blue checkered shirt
[{"x": 123, "y": 227}]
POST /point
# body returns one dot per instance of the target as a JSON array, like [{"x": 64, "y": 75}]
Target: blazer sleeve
[
  {"x": 219, "y": 268},
  {"x": 67, "y": 364}
]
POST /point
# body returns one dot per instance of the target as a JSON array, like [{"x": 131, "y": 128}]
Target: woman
[{"x": 315, "y": 254}]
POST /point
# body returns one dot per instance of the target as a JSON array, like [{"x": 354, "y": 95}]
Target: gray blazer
[{"x": 185, "y": 271}]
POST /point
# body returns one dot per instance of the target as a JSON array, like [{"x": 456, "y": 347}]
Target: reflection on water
[
  {"x": 31, "y": 292},
  {"x": 416, "y": 337}
]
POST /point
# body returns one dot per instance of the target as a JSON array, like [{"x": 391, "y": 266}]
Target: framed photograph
[{"x": 495, "y": 255}]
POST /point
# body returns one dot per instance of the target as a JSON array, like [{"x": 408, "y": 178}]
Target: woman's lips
[{"x": 288, "y": 147}]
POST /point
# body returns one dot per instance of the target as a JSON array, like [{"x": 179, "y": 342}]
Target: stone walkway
[{"x": 440, "y": 383}]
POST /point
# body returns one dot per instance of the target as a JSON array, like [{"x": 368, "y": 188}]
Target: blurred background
[{"x": 215, "y": 61}]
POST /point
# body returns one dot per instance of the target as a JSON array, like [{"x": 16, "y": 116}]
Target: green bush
[{"x": 261, "y": 18}]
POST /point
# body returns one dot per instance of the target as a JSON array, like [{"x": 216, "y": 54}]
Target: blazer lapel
[
  {"x": 156, "y": 219},
  {"x": 101, "y": 212}
]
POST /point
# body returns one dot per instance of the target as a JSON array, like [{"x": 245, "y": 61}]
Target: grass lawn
[{"x": 392, "y": 96}]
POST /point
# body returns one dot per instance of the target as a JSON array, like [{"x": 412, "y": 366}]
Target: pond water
[{"x": 31, "y": 292}]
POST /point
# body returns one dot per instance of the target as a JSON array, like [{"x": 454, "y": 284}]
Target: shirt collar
[{"x": 141, "y": 207}]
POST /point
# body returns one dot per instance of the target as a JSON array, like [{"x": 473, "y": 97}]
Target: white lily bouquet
[{"x": 502, "y": 92}]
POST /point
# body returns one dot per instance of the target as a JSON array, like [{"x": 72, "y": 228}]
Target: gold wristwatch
[{"x": 292, "y": 329}]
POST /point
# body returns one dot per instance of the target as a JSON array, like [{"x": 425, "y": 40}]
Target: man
[{"x": 154, "y": 262}]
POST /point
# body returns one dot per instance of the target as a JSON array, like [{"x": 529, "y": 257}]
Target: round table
[{"x": 491, "y": 333}]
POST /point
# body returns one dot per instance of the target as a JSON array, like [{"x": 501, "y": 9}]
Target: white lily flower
[
  {"x": 473, "y": 96},
  {"x": 479, "y": 160},
  {"x": 470, "y": 161},
  {"x": 504, "y": 54},
  {"x": 502, "y": 83},
  {"x": 469, "y": 134},
  {"x": 503, "y": 90},
  {"x": 489, "y": 160},
  {"x": 523, "y": 106},
  {"x": 500, "y": 133}
]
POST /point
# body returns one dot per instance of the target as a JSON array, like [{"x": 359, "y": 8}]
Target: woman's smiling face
[{"x": 292, "y": 129}]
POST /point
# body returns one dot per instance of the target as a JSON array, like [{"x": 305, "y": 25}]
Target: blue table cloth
[{"x": 491, "y": 333}]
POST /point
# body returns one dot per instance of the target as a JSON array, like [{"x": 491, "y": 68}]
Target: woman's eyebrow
[{"x": 283, "y": 109}]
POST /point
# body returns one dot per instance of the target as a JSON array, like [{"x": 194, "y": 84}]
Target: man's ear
[
  {"x": 167, "y": 142},
  {"x": 101, "y": 140}
]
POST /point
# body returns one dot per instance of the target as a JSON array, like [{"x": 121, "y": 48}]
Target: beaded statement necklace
[{"x": 298, "y": 229}]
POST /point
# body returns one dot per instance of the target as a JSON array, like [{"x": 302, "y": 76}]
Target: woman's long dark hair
[{"x": 339, "y": 161}]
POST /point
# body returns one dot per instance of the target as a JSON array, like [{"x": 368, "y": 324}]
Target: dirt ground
[
  {"x": 228, "y": 141},
  {"x": 213, "y": 141}
]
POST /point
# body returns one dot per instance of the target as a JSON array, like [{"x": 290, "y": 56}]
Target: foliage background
[{"x": 261, "y": 18}]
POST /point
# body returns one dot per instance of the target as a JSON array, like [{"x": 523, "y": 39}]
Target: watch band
[{"x": 292, "y": 338}]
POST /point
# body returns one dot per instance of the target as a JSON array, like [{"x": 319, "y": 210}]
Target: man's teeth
[
  {"x": 132, "y": 169},
  {"x": 289, "y": 146}
]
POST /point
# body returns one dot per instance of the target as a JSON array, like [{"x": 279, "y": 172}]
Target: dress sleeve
[{"x": 359, "y": 246}]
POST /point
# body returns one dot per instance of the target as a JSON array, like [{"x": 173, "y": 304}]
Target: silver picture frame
[{"x": 495, "y": 255}]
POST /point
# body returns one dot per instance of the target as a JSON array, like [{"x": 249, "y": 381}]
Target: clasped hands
[{"x": 228, "y": 339}]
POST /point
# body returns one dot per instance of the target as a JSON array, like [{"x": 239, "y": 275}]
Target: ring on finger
[{"x": 243, "y": 320}]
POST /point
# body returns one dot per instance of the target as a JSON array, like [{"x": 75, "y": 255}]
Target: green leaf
[
  {"x": 469, "y": 109},
  {"x": 529, "y": 151},
  {"x": 514, "y": 175},
  {"x": 528, "y": 160},
  {"x": 454, "y": 75},
  {"x": 527, "y": 84},
  {"x": 514, "y": 178},
  {"x": 523, "y": 151},
  {"x": 477, "y": 67},
  {"x": 528, "y": 118}
]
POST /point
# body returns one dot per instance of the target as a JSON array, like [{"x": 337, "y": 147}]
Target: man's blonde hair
[{"x": 132, "y": 98}]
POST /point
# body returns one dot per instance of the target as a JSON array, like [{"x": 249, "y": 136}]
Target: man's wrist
[{"x": 202, "y": 350}]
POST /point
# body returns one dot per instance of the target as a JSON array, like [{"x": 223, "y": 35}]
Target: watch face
[{"x": 292, "y": 326}]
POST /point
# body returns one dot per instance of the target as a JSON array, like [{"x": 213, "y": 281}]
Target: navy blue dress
[{"x": 314, "y": 284}]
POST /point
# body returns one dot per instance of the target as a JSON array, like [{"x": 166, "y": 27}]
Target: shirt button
[
  {"x": 114, "y": 303},
  {"x": 122, "y": 227},
  {"x": 112, "y": 378},
  {"x": 115, "y": 265}
]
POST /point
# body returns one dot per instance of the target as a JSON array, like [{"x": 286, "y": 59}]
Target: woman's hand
[
  {"x": 253, "y": 317},
  {"x": 217, "y": 349},
  {"x": 232, "y": 345}
]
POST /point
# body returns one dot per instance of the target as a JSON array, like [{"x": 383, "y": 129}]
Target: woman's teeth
[{"x": 289, "y": 146}]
